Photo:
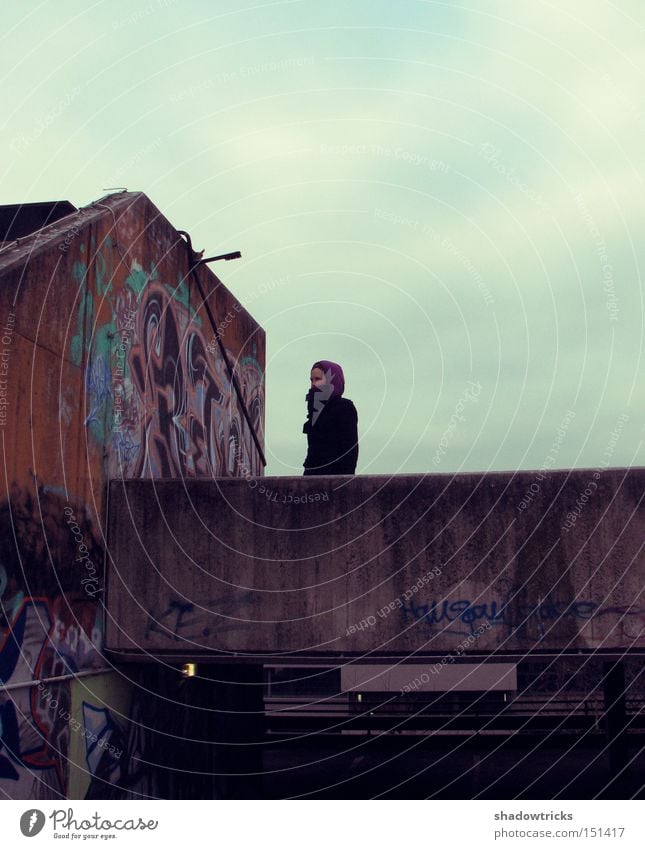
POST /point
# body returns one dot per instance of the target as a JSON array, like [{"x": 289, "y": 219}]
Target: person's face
[{"x": 317, "y": 378}]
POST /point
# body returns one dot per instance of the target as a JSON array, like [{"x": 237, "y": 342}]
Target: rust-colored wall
[{"x": 108, "y": 368}]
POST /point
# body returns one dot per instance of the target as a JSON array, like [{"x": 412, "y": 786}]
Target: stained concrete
[{"x": 374, "y": 566}]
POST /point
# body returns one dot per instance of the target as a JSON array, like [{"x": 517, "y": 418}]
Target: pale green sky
[{"x": 432, "y": 193}]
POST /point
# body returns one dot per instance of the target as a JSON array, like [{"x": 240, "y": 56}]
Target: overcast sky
[{"x": 447, "y": 199}]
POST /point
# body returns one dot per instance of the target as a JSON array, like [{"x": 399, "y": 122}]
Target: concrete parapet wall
[{"x": 440, "y": 565}]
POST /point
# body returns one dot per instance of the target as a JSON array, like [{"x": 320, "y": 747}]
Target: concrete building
[
  {"x": 420, "y": 635},
  {"x": 435, "y": 618},
  {"x": 110, "y": 368}
]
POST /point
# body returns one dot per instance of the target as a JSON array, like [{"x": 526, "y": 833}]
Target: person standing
[{"x": 332, "y": 423}]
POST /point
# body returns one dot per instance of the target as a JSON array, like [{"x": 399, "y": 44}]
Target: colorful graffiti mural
[
  {"x": 158, "y": 397},
  {"x": 187, "y": 420},
  {"x": 44, "y": 640},
  {"x": 155, "y": 389},
  {"x": 118, "y": 382},
  {"x": 50, "y": 628}
]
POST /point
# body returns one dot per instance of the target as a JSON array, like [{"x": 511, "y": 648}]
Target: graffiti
[
  {"x": 155, "y": 394},
  {"x": 523, "y": 621},
  {"x": 114, "y": 753},
  {"x": 85, "y": 312},
  {"x": 102, "y": 755},
  {"x": 630, "y": 620},
  {"x": 45, "y": 640},
  {"x": 169, "y": 377},
  {"x": 97, "y": 386},
  {"x": 126, "y": 450},
  {"x": 182, "y": 620},
  {"x": 190, "y": 418},
  {"x": 463, "y": 613},
  {"x": 43, "y": 634},
  {"x": 155, "y": 404},
  {"x": 39, "y": 548},
  {"x": 168, "y": 402},
  {"x": 31, "y": 743}
]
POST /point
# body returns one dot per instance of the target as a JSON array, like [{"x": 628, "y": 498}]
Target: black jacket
[{"x": 333, "y": 440}]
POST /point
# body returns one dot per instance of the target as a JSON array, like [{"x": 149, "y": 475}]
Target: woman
[{"x": 332, "y": 423}]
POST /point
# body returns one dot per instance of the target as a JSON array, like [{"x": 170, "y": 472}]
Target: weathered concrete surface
[
  {"x": 389, "y": 566},
  {"x": 417, "y": 677},
  {"x": 107, "y": 369}
]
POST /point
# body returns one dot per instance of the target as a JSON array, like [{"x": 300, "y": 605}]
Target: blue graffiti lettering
[
  {"x": 462, "y": 610},
  {"x": 98, "y": 380},
  {"x": 451, "y": 615}
]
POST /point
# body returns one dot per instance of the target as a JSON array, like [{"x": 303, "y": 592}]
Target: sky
[{"x": 445, "y": 198}]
